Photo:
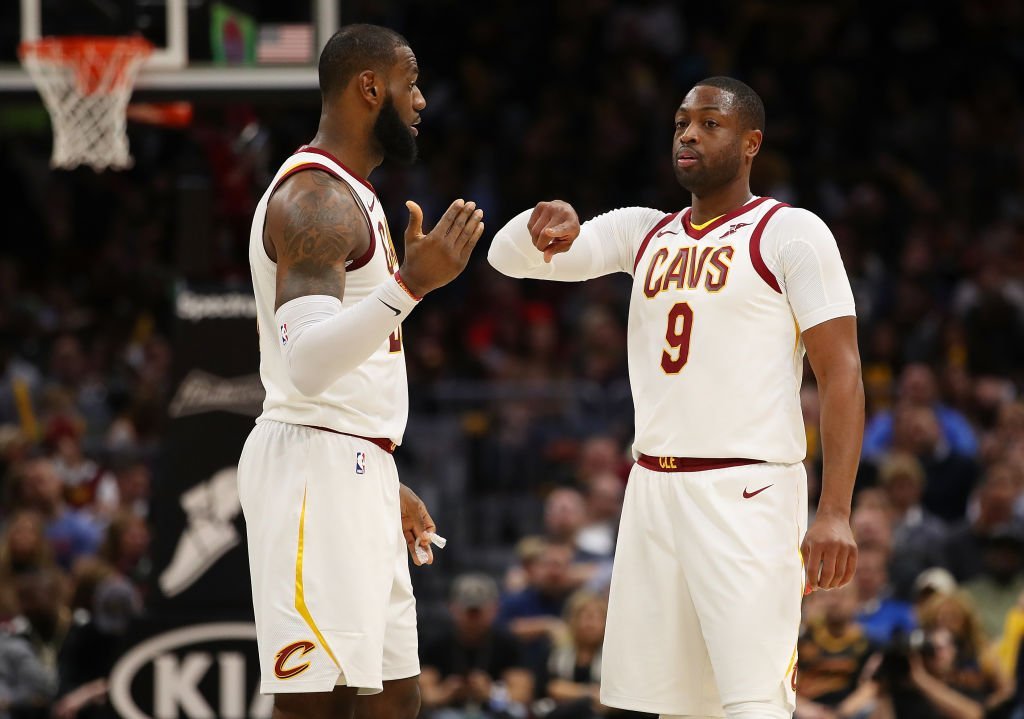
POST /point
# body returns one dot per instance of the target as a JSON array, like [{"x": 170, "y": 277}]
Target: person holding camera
[{"x": 943, "y": 670}]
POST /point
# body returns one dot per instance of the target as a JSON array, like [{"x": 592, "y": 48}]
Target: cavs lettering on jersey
[
  {"x": 715, "y": 355},
  {"x": 371, "y": 400}
]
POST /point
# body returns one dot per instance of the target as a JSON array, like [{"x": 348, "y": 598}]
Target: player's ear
[
  {"x": 369, "y": 87},
  {"x": 752, "y": 143}
]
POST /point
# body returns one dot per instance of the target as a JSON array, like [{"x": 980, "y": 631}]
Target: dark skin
[
  {"x": 314, "y": 225},
  {"x": 713, "y": 149}
]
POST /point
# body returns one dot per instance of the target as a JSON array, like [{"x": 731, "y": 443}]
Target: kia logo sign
[{"x": 197, "y": 672}]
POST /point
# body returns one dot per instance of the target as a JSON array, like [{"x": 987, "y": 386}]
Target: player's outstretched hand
[
  {"x": 416, "y": 524},
  {"x": 436, "y": 258},
  {"x": 830, "y": 554},
  {"x": 553, "y": 226}
]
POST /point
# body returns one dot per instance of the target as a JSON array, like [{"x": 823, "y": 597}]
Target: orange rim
[{"x": 91, "y": 56}]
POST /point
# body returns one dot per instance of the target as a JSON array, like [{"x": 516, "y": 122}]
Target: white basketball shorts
[
  {"x": 706, "y": 590},
  {"x": 330, "y": 574}
]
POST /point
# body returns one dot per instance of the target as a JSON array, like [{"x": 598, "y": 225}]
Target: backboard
[{"x": 200, "y": 45}]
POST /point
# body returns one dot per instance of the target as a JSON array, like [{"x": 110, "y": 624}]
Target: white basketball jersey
[
  {"x": 715, "y": 357},
  {"x": 373, "y": 399}
]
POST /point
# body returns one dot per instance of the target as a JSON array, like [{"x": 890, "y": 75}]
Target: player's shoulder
[
  {"x": 305, "y": 183},
  {"x": 795, "y": 223},
  {"x": 790, "y": 223},
  {"x": 315, "y": 196},
  {"x": 313, "y": 205}
]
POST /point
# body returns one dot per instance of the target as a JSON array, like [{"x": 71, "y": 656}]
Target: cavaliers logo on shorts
[{"x": 281, "y": 670}]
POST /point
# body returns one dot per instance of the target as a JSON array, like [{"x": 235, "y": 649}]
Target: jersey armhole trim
[
  {"x": 755, "y": 250},
  {"x": 364, "y": 258},
  {"x": 643, "y": 245}
]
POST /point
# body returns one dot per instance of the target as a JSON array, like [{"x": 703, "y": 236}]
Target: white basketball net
[{"x": 85, "y": 86}]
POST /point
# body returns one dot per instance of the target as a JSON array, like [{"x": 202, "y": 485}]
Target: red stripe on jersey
[
  {"x": 366, "y": 256},
  {"x": 643, "y": 245},
  {"x": 742, "y": 209},
  {"x": 339, "y": 163},
  {"x": 755, "y": 249}
]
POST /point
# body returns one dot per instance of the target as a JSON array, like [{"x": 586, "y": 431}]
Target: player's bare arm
[
  {"x": 314, "y": 224},
  {"x": 554, "y": 226},
  {"x": 830, "y": 553}
]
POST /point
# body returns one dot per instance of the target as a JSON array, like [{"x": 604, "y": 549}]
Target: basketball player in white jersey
[
  {"x": 328, "y": 522},
  {"x": 727, "y": 295}
]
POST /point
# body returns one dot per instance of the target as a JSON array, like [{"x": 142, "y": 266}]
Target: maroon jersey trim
[
  {"x": 741, "y": 210},
  {"x": 691, "y": 464},
  {"x": 342, "y": 165},
  {"x": 755, "y": 249},
  {"x": 643, "y": 245}
]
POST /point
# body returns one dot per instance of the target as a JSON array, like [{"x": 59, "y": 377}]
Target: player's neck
[
  {"x": 356, "y": 156},
  {"x": 719, "y": 202}
]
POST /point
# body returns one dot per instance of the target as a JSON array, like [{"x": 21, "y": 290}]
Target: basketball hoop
[{"x": 85, "y": 83}]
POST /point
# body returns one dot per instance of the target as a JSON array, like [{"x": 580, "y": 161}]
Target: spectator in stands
[
  {"x": 86, "y": 576},
  {"x": 918, "y": 536},
  {"x": 534, "y": 614},
  {"x": 24, "y": 550},
  {"x": 993, "y": 512},
  {"x": 133, "y": 488},
  {"x": 570, "y": 677},
  {"x": 995, "y": 590},
  {"x": 931, "y": 582},
  {"x": 536, "y": 610},
  {"x": 518, "y": 576},
  {"x": 942, "y": 670},
  {"x": 880, "y": 615},
  {"x": 92, "y": 646},
  {"x": 604, "y": 496},
  {"x": 991, "y": 305},
  {"x": 70, "y": 533},
  {"x": 20, "y": 382},
  {"x": 1008, "y": 432},
  {"x": 476, "y": 668},
  {"x": 26, "y": 685},
  {"x": 599, "y": 455},
  {"x": 565, "y": 514},
  {"x": 126, "y": 548},
  {"x": 832, "y": 651},
  {"x": 964, "y": 660},
  {"x": 949, "y": 477},
  {"x": 44, "y": 618},
  {"x": 71, "y": 375},
  {"x": 918, "y": 388},
  {"x": 87, "y": 485}
]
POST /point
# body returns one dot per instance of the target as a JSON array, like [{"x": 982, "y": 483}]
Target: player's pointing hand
[{"x": 553, "y": 226}]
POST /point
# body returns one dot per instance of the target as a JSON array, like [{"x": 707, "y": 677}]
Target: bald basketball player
[
  {"x": 328, "y": 521},
  {"x": 704, "y": 612}
]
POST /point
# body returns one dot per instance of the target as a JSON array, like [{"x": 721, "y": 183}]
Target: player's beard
[
  {"x": 395, "y": 137},
  {"x": 711, "y": 173}
]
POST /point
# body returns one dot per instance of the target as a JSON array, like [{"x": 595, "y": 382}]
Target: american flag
[{"x": 285, "y": 43}]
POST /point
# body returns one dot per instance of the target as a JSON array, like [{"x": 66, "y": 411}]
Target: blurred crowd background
[{"x": 903, "y": 129}]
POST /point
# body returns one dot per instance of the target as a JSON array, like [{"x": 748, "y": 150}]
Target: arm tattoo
[{"x": 323, "y": 225}]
